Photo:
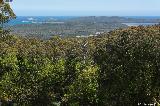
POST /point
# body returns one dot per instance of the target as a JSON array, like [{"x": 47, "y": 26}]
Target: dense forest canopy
[{"x": 117, "y": 68}]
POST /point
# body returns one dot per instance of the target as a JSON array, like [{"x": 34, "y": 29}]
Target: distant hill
[
  {"x": 45, "y": 27},
  {"x": 117, "y": 19}
]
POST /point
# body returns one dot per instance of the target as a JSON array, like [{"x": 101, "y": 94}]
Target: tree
[
  {"x": 129, "y": 67},
  {"x": 6, "y": 14}
]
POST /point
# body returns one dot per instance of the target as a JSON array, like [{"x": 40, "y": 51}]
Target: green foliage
[
  {"x": 36, "y": 72},
  {"x": 83, "y": 91},
  {"x": 6, "y": 14},
  {"x": 115, "y": 69},
  {"x": 129, "y": 67}
]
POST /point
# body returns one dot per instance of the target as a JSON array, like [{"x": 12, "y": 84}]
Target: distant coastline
[
  {"x": 60, "y": 19},
  {"x": 138, "y": 24},
  {"x": 47, "y": 26}
]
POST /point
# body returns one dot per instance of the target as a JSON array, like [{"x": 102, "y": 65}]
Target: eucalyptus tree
[{"x": 6, "y": 14}]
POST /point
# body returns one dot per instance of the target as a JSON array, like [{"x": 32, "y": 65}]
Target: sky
[{"x": 86, "y": 7}]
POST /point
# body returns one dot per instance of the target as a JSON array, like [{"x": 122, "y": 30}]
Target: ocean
[
  {"x": 143, "y": 17},
  {"x": 51, "y": 19},
  {"x": 38, "y": 19}
]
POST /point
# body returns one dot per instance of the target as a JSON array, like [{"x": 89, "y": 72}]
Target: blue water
[
  {"x": 143, "y": 17},
  {"x": 138, "y": 24},
  {"x": 40, "y": 19},
  {"x": 34, "y": 19}
]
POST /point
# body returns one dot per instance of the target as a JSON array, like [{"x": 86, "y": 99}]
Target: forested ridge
[{"x": 119, "y": 68}]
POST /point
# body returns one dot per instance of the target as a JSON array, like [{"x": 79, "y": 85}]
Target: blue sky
[{"x": 86, "y": 7}]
